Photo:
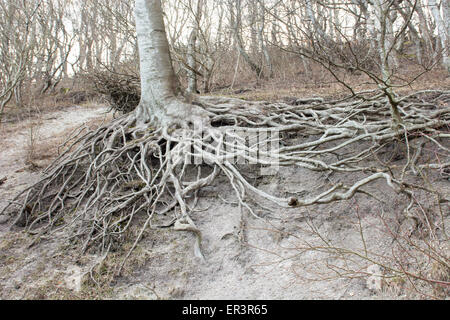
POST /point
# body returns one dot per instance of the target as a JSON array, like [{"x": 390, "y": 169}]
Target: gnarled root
[{"x": 108, "y": 177}]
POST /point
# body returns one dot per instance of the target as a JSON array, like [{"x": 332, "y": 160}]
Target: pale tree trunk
[
  {"x": 385, "y": 42},
  {"x": 385, "y": 36},
  {"x": 82, "y": 38},
  {"x": 161, "y": 101},
  {"x": 235, "y": 22},
  {"x": 335, "y": 24},
  {"x": 275, "y": 29},
  {"x": 262, "y": 44},
  {"x": 365, "y": 13},
  {"x": 446, "y": 15},
  {"x": 253, "y": 32},
  {"x": 192, "y": 49},
  {"x": 89, "y": 61},
  {"x": 4, "y": 99},
  {"x": 316, "y": 28},
  {"x": 423, "y": 28},
  {"x": 414, "y": 33},
  {"x": 442, "y": 30}
]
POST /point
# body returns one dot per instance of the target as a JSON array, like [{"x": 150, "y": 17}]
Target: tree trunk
[
  {"x": 235, "y": 26},
  {"x": 424, "y": 29},
  {"x": 253, "y": 32},
  {"x": 446, "y": 15},
  {"x": 386, "y": 42},
  {"x": 413, "y": 32},
  {"x": 191, "y": 62},
  {"x": 160, "y": 102},
  {"x": 192, "y": 49},
  {"x": 442, "y": 31},
  {"x": 262, "y": 45}
]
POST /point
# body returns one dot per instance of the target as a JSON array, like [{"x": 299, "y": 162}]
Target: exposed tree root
[{"x": 106, "y": 178}]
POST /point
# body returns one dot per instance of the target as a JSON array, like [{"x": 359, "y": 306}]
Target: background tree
[{"x": 160, "y": 89}]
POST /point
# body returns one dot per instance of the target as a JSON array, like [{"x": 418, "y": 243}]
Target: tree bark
[
  {"x": 235, "y": 26},
  {"x": 192, "y": 63},
  {"x": 441, "y": 30},
  {"x": 192, "y": 49},
  {"x": 423, "y": 27},
  {"x": 161, "y": 100}
]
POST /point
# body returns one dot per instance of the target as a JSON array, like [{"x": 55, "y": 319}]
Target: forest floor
[{"x": 246, "y": 258}]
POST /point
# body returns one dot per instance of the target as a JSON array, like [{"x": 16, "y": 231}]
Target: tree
[
  {"x": 442, "y": 28},
  {"x": 161, "y": 97},
  {"x": 139, "y": 167},
  {"x": 34, "y": 48},
  {"x": 192, "y": 49}
]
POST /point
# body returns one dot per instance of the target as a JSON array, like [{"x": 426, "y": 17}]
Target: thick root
[{"x": 107, "y": 178}]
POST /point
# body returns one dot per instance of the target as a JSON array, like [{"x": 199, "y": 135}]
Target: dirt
[{"x": 279, "y": 256}]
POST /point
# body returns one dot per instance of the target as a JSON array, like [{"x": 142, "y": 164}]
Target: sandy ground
[
  {"x": 277, "y": 257},
  {"x": 27, "y": 146}
]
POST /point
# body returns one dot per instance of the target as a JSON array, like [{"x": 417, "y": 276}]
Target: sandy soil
[
  {"x": 277, "y": 257},
  {"x": 28, "y": 146}
]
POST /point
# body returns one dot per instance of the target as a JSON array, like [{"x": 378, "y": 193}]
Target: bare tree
[
  {"x": 191, "y": 53},
  {"x": 152, "y": 161},
  {"x": 17, "y": 43},
  {"x": 235, "y": 9},
  {"x": 160, "y": 88},
  {"x": 442, "y": 29}
]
